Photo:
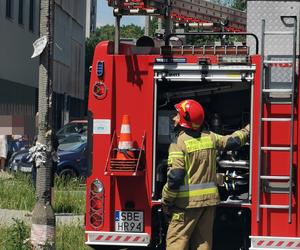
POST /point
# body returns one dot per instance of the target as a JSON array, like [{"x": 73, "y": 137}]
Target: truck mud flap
[{"x": 117, "y": 238}]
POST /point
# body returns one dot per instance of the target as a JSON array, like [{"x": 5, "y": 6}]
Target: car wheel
[{"x": 68, "y": 173}]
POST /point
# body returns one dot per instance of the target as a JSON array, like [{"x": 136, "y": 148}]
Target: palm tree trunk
[{"x": 43, "y": 218}]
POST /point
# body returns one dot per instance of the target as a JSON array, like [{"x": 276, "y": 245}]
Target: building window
[
  {"x": 21, "y": 12},
  {"x": 9, "y": 8},
  {"x": 31, "y": 14}
]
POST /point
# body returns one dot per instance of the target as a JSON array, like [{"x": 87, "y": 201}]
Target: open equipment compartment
[{"x": 225, "y": 93}]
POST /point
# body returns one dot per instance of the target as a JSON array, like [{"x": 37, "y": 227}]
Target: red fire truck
[{"x": 255, "y": 82}]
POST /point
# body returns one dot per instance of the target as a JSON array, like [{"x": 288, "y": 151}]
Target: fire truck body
[{"x": 260, "y": 193}]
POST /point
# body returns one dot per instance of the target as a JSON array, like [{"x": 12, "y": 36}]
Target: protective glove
[
  {"x": 247, "y": 127},
  {"x": 220, "y": 179}
]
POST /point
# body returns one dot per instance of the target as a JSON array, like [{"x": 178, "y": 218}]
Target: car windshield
[
  {"x": 72, "y": 142},
  {"x": 72, "y": 128}
]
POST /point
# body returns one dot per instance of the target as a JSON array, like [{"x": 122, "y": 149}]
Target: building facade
[{"x": 19, "y": 28}]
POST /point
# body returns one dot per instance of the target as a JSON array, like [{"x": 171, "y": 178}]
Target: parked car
[
  {"x": 73, "y": 127},
  {"x": 72, "y": 156},
  {"x": 72, "y": 160},
  {"x": 15, "y": 158},
  {"x": 16, "y": 147}
]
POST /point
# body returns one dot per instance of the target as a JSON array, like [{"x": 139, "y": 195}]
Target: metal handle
[
  {"x": 284, "y": 20},
  {"x": 167, "y": 42}
]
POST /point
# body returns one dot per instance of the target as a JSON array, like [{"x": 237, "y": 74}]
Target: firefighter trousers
[{"x": 191, "y": 229}]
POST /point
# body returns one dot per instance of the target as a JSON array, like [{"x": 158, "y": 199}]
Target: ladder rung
[
  {"x": 274, "y": 206},
  {"x": 275, "y": 177},
  {"x": 279, "y": 33},
  {"x": 277, "y": 62},
  {"x": 283, "y": 103},
  {"x": 276, "y": 119},
  {"x": 276, "y": 148},
  {"x": 277, "y": 90}
]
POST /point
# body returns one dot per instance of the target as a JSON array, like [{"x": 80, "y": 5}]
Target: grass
[
  {"x": 18, "y": 193},
  {"x": 70, "y": 237},
  {"x": 69, "y": 196},
  {"x": 67, "y": 237}
]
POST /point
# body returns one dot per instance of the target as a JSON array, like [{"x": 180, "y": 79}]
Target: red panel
[
  {"x": 100, "y": 142},
  {"x": 134, "y": 96},
  {"x": 130, "y": 91}
]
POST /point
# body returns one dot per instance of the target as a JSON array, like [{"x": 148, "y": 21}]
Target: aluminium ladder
[{"x": 265, "y": 89}]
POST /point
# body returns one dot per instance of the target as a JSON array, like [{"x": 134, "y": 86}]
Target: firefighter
[{"x": 190, "y": 195}]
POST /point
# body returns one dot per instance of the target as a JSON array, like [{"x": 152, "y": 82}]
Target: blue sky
[{"x": 105, "y": 16}]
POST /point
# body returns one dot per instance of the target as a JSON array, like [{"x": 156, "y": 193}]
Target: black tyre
[{"x": 68, "y": 173}]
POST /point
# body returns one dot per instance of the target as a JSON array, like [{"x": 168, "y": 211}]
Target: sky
[{"x": 105, "y": 16}]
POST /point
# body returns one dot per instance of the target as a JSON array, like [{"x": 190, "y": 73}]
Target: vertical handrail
[
  {"x": 109, "y": 153},
  {"x": 260, "y": 119},
  {"x": 292, "y": 116},
  {"x": 142, "y": 149}
]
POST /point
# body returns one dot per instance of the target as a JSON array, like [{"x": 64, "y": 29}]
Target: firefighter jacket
[{"x": 191, "y": 176}]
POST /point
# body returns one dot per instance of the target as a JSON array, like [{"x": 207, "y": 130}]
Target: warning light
[
  {"x": 99, "y": 90},
  {"x": 100, "y": 68}
]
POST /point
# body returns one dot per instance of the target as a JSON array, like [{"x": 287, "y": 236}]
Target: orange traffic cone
[{"x": 125, "y": 141}]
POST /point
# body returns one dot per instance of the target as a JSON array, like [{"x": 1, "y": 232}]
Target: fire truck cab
[{"x": 236, "y": 84}]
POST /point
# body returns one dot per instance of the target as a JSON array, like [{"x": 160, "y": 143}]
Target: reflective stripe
[
  {"x": 193, "y": 193},
  {"x": 177, "y": 154},
  {"x": 125, "y": 145},
  {"x": 198, "y": 144},
  {"x": 218, "y": 137},
  {"x": 190, "y": 193},
  {"x": 240, "y": 135},
  {"x": 125, "y": 129},
  {"x": 214, "y": 160},
  {"x": 174, "y": 155},
  {"x": 187, "y": 170},
  {"x": 196, "y": 186},
  {"x": 169, "y": 193}
]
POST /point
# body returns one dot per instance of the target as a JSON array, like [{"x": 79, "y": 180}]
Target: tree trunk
[{"x": 43, "y": 218}]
